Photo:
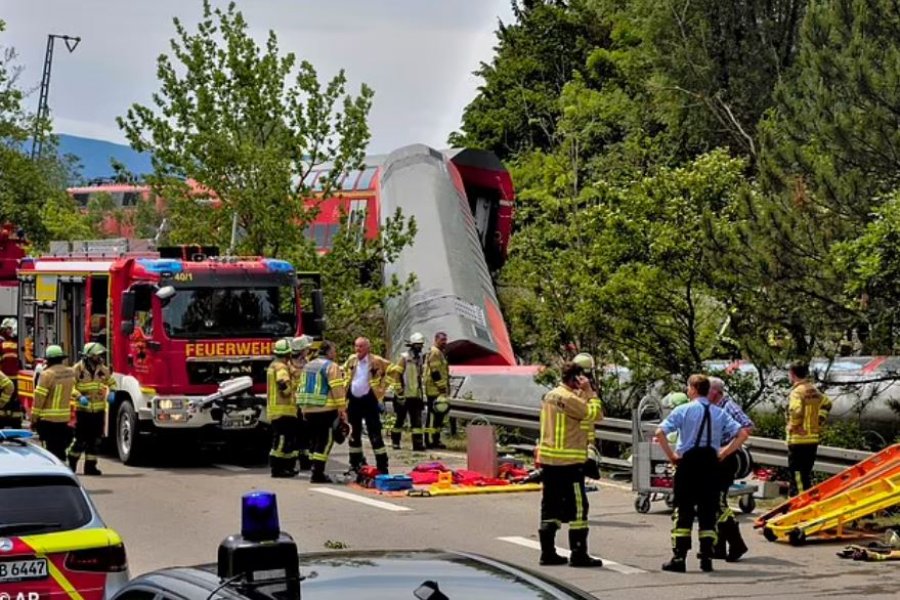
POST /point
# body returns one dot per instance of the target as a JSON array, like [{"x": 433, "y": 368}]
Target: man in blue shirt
[
  {"x": 729, "y": 545},
  {"x": 702, "y": 427}
]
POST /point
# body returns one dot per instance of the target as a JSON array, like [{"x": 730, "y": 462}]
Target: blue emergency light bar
[
  {"x": 278, "y": 266},
  {"x": 259, "y": 516},
  {"x": 161, "y": 265},
  {"x": 15, "y": 434}
]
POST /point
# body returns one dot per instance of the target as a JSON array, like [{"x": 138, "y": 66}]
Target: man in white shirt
[{"x": 366, "y": 375}]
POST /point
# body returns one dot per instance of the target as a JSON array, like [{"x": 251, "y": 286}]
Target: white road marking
[
  {"x": 607, "y": 564},
  {"x": 232, "y": 468},
  {"x": 360, "y": 499}
]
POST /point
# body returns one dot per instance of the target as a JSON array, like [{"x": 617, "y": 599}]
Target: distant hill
[{"x": 95, "y": 156}]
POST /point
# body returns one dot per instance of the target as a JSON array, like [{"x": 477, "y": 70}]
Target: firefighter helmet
[
  {"x": 54, "y": 351},
  {"x": 282, "y": 347},
  {"x": 676, "y": 399},
  {"x": 8, "y": 323},
  {"x": 93, "y": 349},
  {"x": 340, "y": 431},
  {"x": 416, "y": 338},
  {"x": 441, "y": 406},
  {"x": 299, "y": 344},
  {"x": 585, "y": 361}
]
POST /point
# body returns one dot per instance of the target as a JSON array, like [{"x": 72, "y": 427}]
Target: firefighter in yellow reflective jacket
[
  {"x": 299, "y": 348},
  {"x": 562, "y": 452},
  {"x": 807, "y": 411},
  {"x": 365, "y": 391},
  {"x": 95, "y": 387},
  {"x": 406, "y": 389},
  {"x": 9, "y": 416},
  {"x": 437, "y": 390},
  {"x": 282, "y": 412},
  {"x": 322, "y": 399},
  {"x": 592, "y": 465},
  {"x": 53, "y": 394}
]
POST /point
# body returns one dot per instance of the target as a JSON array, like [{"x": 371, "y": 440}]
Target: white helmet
[
  {"x": 416, "y": 338},
  {"x": 8, "y": 322}
]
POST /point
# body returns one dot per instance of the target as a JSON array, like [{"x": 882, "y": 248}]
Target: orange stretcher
[
  {"x": 833, "y": 515},
  {"x": 884, "y": 464}
]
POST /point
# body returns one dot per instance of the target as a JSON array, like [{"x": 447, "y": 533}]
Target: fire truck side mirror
[
  {"x": 127, "y": 323},
  {"x": 318, "y": 303}
]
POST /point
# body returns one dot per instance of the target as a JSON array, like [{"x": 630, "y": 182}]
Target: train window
[
  {"x": 81, "y": 199},
  {"x": 320, "y": 181},
  {"x": 130, "y": 198},
  {"x": 365, "y": 180},
  {"x": 349, "y": 181}
]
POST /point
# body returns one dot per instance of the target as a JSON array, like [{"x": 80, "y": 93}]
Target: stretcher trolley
[{"x": 653, "y": 476}]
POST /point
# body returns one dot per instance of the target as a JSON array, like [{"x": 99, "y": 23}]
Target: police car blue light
[
  {"x": 15, "y": 434},
  {"x": 259, "y": 516},
  {"x": 278, "y": 266},
  {"x": 161, "y": 265}
]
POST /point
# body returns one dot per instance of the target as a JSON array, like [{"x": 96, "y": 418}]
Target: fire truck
[
  {"x": 189, "y": 334},
  {"x": 11, "y": 251}
]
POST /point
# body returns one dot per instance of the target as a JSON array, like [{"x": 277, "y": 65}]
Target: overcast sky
[{"x": 418, "y": 55}]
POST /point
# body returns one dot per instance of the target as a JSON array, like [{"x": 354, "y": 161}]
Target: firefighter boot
[
  {"x": 73, "y": 463},
  {"x": 676, "y": 565},
  {"x": 578, "y": 546},
  {"x": 305, "y": 463},
  {"x": 395, "y": 440},
  {"x": 549, "y": 556},
  {"x": 318, "y": 473},
  {"x": 737, "y": 547},
  {"x": 706, "y": 553},
  {"x": 381, "y": 463},
  {"x": 720, "y": 551},
  {"x": 418, "y": 442},
  {"x": 90, "y": 468}
]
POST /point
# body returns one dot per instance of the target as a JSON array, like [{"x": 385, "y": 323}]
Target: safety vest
[
  {"x": 409, "y": 368},
  {"x": 53, "y": 394},
  {"x": 807, "y": 410},
  {"x": 437, "y": 377},
  {"x": 93, "y": 384},
  {"x": 280, "y": 394},
  {"x": 563, "y": 440},
  {"x": 9, "y": 357},
  {"x": 320, "y": 387}
]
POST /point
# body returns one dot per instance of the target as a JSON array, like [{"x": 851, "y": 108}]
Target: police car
[
  {"x": 262, "y": 563},
  {"x": 53, "y": 543}
]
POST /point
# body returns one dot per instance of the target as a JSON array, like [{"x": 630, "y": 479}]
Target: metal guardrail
[{"x": 765, "y": 451}]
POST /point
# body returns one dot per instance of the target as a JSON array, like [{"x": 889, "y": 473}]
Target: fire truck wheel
[{"x": 128, "y": 442}]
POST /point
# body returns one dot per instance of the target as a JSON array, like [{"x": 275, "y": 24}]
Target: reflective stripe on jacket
[
  {"x": 280, "y": 395},
  {"x": 437, "y": 373},
  {"x": 53, "y": 394},
  {"x": 9, "y": 357},
  {"x": 589, "y": 425},
  {"x": 563, "y": 440},
  {"x": 6, "y": 392},
  {"x": 377, "y": 369},
  {"x": 93, "y": 384},
  {"x": 806, "y": 413}
]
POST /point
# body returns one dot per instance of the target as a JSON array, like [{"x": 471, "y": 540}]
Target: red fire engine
[
  {"x": 10, "y": 252},
  {"x": 189, "y": 334}
]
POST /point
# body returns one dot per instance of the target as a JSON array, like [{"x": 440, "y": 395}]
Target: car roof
[
  {"x": 374, "y": 575},
  {"x": 19, "y": 457}
]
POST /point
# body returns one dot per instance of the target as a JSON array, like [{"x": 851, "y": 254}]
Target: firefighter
[
  {"x": 592, "y": 465},
  {"x": 437, "y": 388},
  {"x": 321, "y": 398},
  {"x": 299, "y": 348},
  {"x": 53, "y": 395},
  {"x": 701, "y": 428},
  {"x": 730, "y": 544},
  {"x": 95, "y": 386},
  {"x": 562, "y": 452},
  {"x": 365, "y": 382},
  {"x": 406, "y": 390},
  {"x": 807, "y": 410},
  {"x": 10, "y": 409},
  {"x": 282, "y": 412}
]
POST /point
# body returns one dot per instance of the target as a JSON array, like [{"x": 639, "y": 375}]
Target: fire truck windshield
[{"x": 231, "y": 312}]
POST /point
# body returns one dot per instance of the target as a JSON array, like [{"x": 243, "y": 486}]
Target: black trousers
[
  {"x": 411, "y": 407},
  {"x": 801, "y": 460},
  {"x": 434, "y": 423},
  {"x": 697, "y": 491},
  {"x": 55, "y": 436},
  {"x": 303, "y": 442},
  {"x": 283, "y": 456},
  {"x": 321, "y": 438},
  {"x": 564, "y": 497},
  {"x": 365, "y": 409},
  {"x": 88, "y": 433}
]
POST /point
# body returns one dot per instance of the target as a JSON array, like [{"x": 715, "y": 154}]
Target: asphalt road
[{"x": 178, "y": 515}]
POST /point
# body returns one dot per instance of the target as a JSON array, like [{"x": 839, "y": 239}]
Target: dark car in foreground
[{"x": 262, "y": 563}]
